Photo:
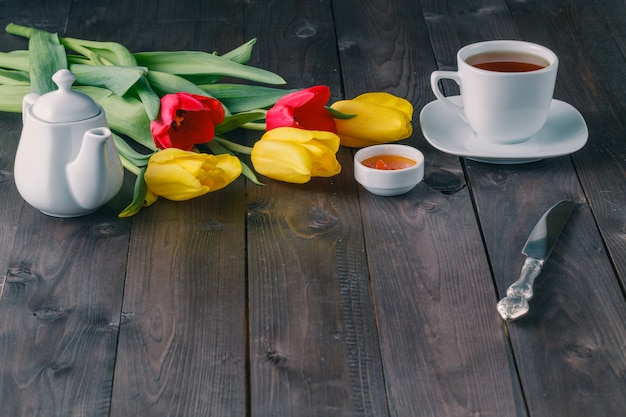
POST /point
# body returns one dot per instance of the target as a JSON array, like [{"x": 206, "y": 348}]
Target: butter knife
[{"x": 537, "y": 249}]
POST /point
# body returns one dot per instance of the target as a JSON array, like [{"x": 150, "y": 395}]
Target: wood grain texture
[
  {"x": 52, "y": 17},
  {"x": 313, "y": 342},
  {"x": 506, "y": 198},
  {"x": 431, "y": 283},
  {"x": 313, "y": 336},
  {"x": 129, "y": 23},
  {"x": 321, "y": 299},
  {"x": 61, "y": 314},
  {"x": 182, "y": 342},
  {"x": 182, "y": 348},
  {"x": 10, "y": 128},
  {"x": 591, "y": 77},
  {"x": 567, "y": 293},
  {"x": 587, "y": 363}
]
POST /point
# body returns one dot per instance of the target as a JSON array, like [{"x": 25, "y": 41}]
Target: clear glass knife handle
[
  {"x": 523, "y": 287},
  {"x": 515, "y": 304}
]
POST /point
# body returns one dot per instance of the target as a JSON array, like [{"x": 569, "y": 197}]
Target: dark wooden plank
[
  {"x": 182, "y": 344},
  {"x": 553, "y": 344},
  {"x": 46, "y": 15},
  {"x": 60, "y": 313},
  {"x": 50, "y": 16},
  {"x": 611, "y": 11},
  {"x": 610, "y": 127},
  {"x": 129, "y": 23},
  {"x": 313, "y": 337},
  {"x": 575, "y": 314},
  {"x": 589, "y": 356},
  {"x": 444, "y": 349},
  {"x": 313, "y": 345},
  {"x": 12, "y": 203},
  {"x": 312, "y": 332},
  {"x": 591, "y": 77}
]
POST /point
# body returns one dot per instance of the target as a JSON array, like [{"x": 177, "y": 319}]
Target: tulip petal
[
  {"x": 186, "y": 120},
  {"x": 304, "y": 109},
  {"x": 295, "y": 155},
  {"x": 380, "y": 118},
  {"x": 282, "y": 161},
  {"x": 388, "y": 100},
  {"x": 181, "y": 175},
  {"x": 287, "y": 134},
  {"x": 225, "y": 169}
]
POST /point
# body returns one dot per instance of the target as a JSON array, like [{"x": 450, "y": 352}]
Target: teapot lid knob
[
  {"x": 65, "y": 105},
  {"x": 64, "y": 79}
]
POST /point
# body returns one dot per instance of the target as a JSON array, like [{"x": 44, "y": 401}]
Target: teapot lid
[{"x": 65, "y": 105}]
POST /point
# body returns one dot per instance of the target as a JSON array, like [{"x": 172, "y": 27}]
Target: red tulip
[
  {"x": 304, "y": 109},
  {"x": 186, "y": 120}
]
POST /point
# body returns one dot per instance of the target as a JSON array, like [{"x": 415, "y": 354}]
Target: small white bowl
[{"x": 389, "y": 182}]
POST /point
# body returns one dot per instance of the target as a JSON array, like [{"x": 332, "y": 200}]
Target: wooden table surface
[{"x": 322, "y": 299}]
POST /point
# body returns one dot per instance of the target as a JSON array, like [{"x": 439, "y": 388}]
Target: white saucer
[{"x": 564, "y": 132}]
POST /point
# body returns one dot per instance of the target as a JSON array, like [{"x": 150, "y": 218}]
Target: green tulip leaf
[
  {"x": 15, "y": 60},
  {"x": 339, "y": 115},
  {"x": 231, "y": 123},
  {"x": 46, "y": 57},
  {"x": 148, "y": 97},
  {"x": 139, "y": 196},
  {"x": 13, "y": 77},
  {"x": 125, "y": 115},
  {"x": 117, "y": 79},
  {"x": 101, "y": 53},
  {"x": 194, "y": 63},
  {"x": 11, "y": 97},
  {"x": 249, "y": 173},
  {"x": 165, "y": 83},
  {"x": 242, "y": 97},
  {"x": 125, "y": 150},
  {"x": 242, "y": 53}
]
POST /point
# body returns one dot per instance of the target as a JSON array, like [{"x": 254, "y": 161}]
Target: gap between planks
[{"x": 2, "y": 284}]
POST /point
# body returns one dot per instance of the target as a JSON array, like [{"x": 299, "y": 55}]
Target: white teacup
[{"x": 506, "y": 88}]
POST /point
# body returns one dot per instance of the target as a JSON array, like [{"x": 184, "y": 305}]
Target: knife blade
[{"x": 537, "y": 249}]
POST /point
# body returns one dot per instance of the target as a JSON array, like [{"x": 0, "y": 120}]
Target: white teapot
[{"x": 66, "y": 163}]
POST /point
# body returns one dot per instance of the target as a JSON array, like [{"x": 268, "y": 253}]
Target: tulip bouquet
[{"x": 170, "y": 114}]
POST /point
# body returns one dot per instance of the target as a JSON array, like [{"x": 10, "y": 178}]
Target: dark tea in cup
[
  {"x": 507, "y": 62},
  {"x": 506, "y": 88}
]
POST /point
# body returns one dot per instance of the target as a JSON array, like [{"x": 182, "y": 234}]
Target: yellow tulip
[
  {"x": 380, "y": 118},
  {"x": 295, "y": 155},
  {"x": 181, "y": 175}
]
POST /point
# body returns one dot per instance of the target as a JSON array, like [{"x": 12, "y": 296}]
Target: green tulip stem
[
  {"x": 260, "y": 126},
  {"x": 233, "y": 146},
  {"x": 19, "y": 30},
  {"x": 255, "y": 126},
  {"x": 129, "y": 165}
]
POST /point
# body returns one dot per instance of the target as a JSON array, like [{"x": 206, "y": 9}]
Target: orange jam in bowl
[
  {"x": 388, "y": 169},
  {"x": 388, "y": 162}
]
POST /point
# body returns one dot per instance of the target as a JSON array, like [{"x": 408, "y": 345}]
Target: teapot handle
[{"x": 27, "y": 102}]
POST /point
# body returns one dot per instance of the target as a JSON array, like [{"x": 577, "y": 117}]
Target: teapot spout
[{"x": 96, "y": 175}]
